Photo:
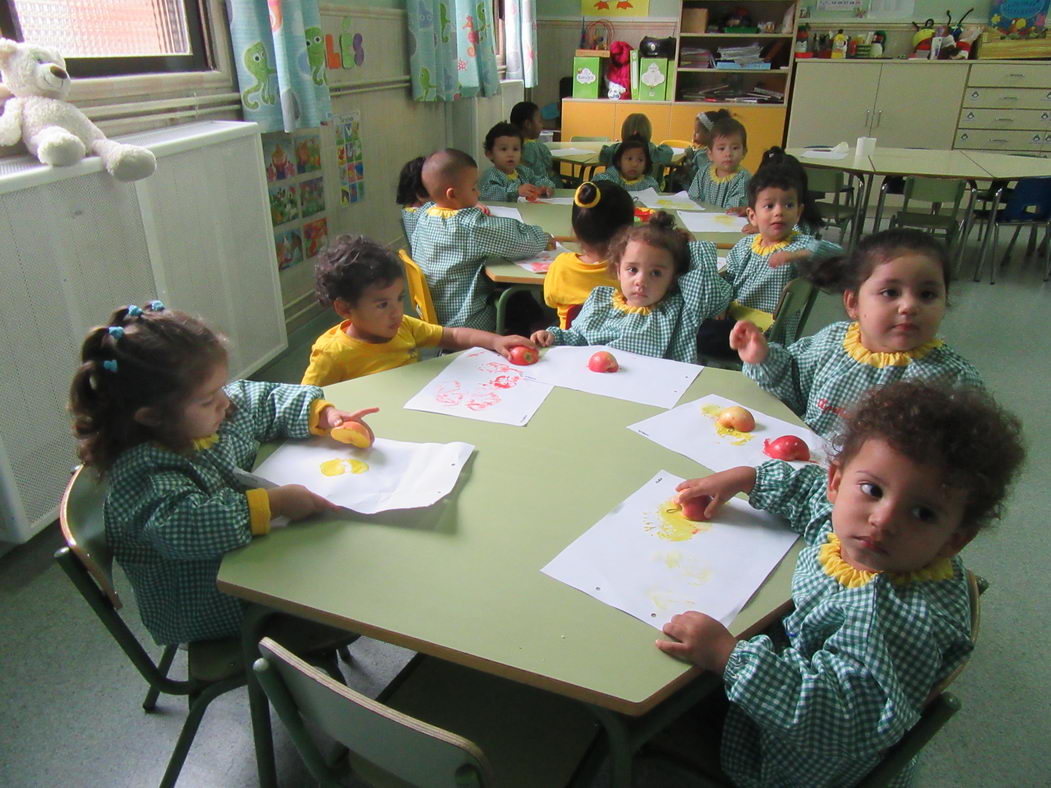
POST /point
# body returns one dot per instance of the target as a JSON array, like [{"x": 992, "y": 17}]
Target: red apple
[
  {"x": 736, "y": 418},
  {"x": 524, "y": 355},
  {"x": 603, "y": 362},
  {"x": 693, "y": 508},
  {"x": 355, "y": 433},
  {"x": 787, "y": 447}
]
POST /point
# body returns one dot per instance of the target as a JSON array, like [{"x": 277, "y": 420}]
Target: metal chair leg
[{"x": 164, "y": 665}]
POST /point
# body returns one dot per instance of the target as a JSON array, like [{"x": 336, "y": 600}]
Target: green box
[
  {"x": 587, "y": 76},
  {"x": 653, "y": 79}
]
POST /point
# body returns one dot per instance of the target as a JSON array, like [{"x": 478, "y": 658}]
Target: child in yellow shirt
[
  {"x": 364, "y": 283},
  {"x": 599, "y": 211}
]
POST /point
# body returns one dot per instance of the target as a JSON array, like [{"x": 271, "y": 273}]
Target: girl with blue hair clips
[
  {"x": 668, "y": 285},
  {"x": 153, "y": 414}
]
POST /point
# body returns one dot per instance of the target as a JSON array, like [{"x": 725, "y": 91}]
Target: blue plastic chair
[{"x": 1028, "y": 205}]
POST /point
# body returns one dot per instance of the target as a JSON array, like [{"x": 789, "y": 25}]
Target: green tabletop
[
  {"x": 1008, "y": 167},
  {"x": 461, "y": 579}
]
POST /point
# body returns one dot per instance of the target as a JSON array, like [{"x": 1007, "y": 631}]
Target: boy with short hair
[
  {"x": 453, "y": 238},
  {"x": 508, "y": 179},
  {"x": 724, "y": 182}
]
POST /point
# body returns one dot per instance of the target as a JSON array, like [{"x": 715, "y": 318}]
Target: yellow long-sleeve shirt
[{"x": 570, "y": 280}]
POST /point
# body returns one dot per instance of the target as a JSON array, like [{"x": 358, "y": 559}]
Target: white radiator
[{"x": 76, "y": 244}]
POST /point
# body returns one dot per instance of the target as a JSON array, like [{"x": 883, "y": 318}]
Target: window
[{"x": 112, "y": 37}]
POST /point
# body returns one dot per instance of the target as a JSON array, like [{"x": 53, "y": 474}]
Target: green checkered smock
[
  {"x": 728, "y": 193},
  {"x": 451, "y": 246},
  {"x": 170, "y": 517},
  {"x": 821, "y": 377},
  {"x": 755, "y": 284},
  {"x": 861, "y": 658},
  {"x": 613, "y": 174},
  {"x": 667, "y": 329},
  {"x": 408, "y": 222},
  {"x": 537, "y": 157},
  {"x": 496, "y": 186},
  {"x": 659, "y": 154}
]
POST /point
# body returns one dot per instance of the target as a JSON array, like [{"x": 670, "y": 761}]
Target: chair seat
[
  {"x": 835, "y": 213},
  {"x": 933, "y": 221}
]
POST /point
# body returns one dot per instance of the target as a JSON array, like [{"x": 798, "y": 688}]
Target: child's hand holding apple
[{"x": 717, "y": 488}]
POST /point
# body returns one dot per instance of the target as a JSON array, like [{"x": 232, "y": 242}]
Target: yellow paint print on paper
[
  {"x": 672, "y": 525},
  {"x": 341, "y": 465},
  {"x": 737, "y": 438}
]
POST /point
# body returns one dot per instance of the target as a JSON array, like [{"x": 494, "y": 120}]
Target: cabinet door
[
  {"x": 833, "y": 102},
  {"x": 917, "y": 105},
  {"x": 765, "y": 127},
  {"x": 587, "y": 118}
]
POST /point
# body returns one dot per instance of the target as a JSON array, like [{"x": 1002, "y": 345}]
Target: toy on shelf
[
  {"x": 35, "y": 84},
  {"x": 618, "y": 72},
  {"x": 839, "y": 44}
]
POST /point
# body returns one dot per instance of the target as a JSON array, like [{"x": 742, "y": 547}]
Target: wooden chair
[
  {"x": 419, "y": 292},
  {"x": 528, "y": 737},
  {"x": 214, "y": 666}
]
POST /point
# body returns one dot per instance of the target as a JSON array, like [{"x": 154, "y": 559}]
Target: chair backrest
[
  {"x": 419, "y": 292},
  {"x": 677, "y": 143},
  {"x": 84, "y": 529},
  {"x": 824, "y": 180},
  {"x": 793, "y": 309},
  {"x": 578, "y": 138},
  {"x": 402, "y": 746},
  {"x": 1029, "y": 201},
  {"x": 934, "y": 190}
]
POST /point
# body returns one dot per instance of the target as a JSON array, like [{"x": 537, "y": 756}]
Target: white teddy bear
[{"x": 35, "y": 84}]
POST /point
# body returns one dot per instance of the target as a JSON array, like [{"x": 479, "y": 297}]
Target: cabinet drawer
[
  {"x": 1036, "y": 119},
  {"x": 1013, "y": 98},
  {"x": 986, "y": 139},
  {"x": 1000, "y": 75}
]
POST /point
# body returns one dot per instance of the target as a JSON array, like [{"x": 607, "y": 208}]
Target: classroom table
[
  {"x": 1010, "y": 166},
  {"x": 461, "y": 580},
  {"x": 588, "y": 162}
]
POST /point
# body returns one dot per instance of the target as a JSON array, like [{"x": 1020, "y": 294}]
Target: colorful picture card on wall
[
  {"x": 278, "y": 155},
  {"x": 284, "y": 204},
  {"x": 350, "y": 157},
  {"x": 289, "y": 246}
]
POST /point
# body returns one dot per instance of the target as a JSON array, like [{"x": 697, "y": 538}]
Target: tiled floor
[{"x": 70, "y": 711}]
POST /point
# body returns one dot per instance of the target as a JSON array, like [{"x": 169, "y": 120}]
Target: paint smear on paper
[
  {"x": 672, "y": 525},
  {"x": 341, "y": 465}
]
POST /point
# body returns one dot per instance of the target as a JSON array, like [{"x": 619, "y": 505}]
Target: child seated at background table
[
  {"x": 631, "y": 168},
  {"x": 638, "y": 125},
  {"x": 697, "y": 155},
  {"x": 600, "y": 211},
  {"x": 724, "y": 182},
  {"x": 508, "y": 179},
  {"x": 365, "y": 285},
  {"x": 759, "y": 266},
  {"x": 668, "y": 285},
  {"x": 895, "y": 285},
  {"x": 810, "y": 221},
  {"x": 535, "y": 154},
  {"x": 453, "y": 238},
  {"x": 882, "y": 610},
  {"x": 411, "y": 194},
  {"x": 154, "y": 414}
]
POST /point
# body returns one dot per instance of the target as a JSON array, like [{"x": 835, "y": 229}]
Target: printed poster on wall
[
  {"x": 350, "y": 158},
  {"x": 614, "y": 8},
  {"x": 297, "y": 195}
]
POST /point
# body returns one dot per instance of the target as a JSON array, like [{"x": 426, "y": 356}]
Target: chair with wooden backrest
[
  {"x": 419, "y": 292},
  {"x": 214, "y": 667},
  {"x": 527, "y": 737},
  {"x": 586, "y": 171}
]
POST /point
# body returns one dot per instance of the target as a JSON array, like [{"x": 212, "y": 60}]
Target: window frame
[{"x": 200, "y": 59}]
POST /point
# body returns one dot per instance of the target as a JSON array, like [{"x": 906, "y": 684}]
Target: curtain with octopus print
[
  {"x": 451, "y": 49},
  {"x": 280, "y": 54}
]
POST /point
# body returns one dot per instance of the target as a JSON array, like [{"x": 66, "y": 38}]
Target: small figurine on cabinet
[{"x": 839, "y": 44}]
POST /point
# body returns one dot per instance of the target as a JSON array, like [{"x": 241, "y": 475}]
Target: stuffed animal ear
[{"x": 7, "y": 47}]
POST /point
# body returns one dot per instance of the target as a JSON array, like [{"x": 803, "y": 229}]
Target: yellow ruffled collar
[
  {"x": 200, "y": 444},
  {"x": 831, "y": 560},
  {"x": 633, "y": 181},
  {"x": 721, "y": 178},
  {"x": 860, "y": 353},
  {"x": 445, "y": 213},
  {"x": 761, "y": 247},
  {"x": 619, "y": 302},
  {"x": 511, "y": 176}
]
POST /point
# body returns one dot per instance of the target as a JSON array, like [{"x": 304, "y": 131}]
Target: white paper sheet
[
  {"x": 556, "y": 200},
  {"x": 390, "y": 475},
  {"x": 712, "y": 222},
  {"x": 558, "y": 150},
  {"x": 651, "y": 381},
  {"x": 651, "y": 198},
  {"x": 482, "y": 385},
  {"x": 504, "y": 210},
  {"x": 538, "y": 264},
  {"x": 654, "y": 564},
  {"x": 691, "y": 431},
  {"x": 720, "y": 263},
  {"x": 840, "y": 151},
  {"x": 677, "y": 151}
]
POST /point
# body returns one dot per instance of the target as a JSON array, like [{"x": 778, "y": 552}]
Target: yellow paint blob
[
  {"x": 674, "y": 527},
  {"x": 737, "y": 437},
  {"x": 341, "y": 465}
]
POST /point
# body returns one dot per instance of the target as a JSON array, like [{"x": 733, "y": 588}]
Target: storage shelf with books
[{"x": 733, "y": 53}]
